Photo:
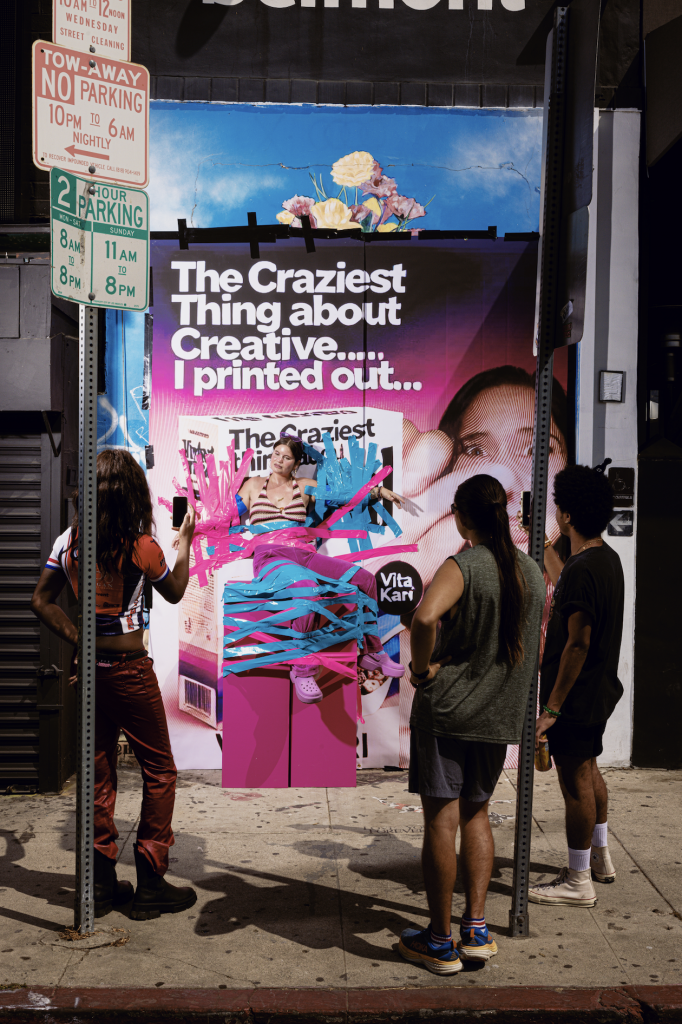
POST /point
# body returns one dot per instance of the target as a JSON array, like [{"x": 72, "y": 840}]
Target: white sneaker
[
  {"x": 601, "y": 864},
  {"x": 569, "y": 888}
]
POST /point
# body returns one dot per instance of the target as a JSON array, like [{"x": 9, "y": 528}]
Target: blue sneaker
[
  {"x": 476, "y": 944},
  {"x": 417, "y": 947}
]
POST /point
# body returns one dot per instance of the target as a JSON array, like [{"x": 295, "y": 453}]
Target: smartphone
[
  {"x": 179, "y": 510},
  {"x": 525, "y": 508}
]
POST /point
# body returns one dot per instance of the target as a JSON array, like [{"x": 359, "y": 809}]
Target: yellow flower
[
  {"x": 285, "y": 217},
  {"x": 374, "y": 205},
  {"x": 353, "y": 169},
  {"x": 387, "y": 227},
  {"x": 333, "y": 214}
]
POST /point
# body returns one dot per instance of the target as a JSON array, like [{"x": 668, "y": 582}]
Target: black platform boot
[
  {"x": 154, "y": 895},
  {"x": 109, "y": 892}
]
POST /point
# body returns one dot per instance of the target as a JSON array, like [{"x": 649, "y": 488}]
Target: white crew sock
[
  {"x": 578, "y": 860},
  {"x": 600, "y": 835}
]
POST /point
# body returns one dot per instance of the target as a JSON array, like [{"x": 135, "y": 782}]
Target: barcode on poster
[{"x": 198, "y": 700}]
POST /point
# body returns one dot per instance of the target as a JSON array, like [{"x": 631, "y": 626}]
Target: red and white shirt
[{"x": 119, "y": 600}]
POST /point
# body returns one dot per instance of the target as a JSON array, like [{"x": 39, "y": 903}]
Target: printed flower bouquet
[{"x": 382, "y": 209}]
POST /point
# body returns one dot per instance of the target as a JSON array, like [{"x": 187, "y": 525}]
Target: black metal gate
[{"x": 37, "y": 715}]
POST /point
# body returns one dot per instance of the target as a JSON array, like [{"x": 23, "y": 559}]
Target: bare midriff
[{"x": 122, "y": 644}]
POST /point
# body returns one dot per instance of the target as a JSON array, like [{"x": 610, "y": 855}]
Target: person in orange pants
[{"x": 127, "y": 695}]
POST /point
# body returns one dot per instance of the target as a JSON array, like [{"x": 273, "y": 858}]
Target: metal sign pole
[
  {"x": 87, "y": 543},
  {"x": 548, "y": 321}
]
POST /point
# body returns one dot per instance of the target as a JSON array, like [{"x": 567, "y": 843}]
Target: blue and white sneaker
[
  {"x": 417, "y": 947},
  {"x": 475, "y": 943}
]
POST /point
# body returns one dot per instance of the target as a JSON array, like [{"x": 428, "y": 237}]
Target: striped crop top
[{"x": 265, "y": 511}]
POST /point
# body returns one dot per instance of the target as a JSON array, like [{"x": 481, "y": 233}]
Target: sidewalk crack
[{"x": 675, "y": 913}]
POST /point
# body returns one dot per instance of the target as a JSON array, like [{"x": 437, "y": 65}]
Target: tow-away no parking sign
[{"x": 90, "y": 114}]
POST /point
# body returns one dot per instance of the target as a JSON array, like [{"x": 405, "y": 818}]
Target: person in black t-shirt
[{"x": 579, "y": 684}]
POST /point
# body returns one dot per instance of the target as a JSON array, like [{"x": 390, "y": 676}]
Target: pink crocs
[
  {"x": 381, "y": 661},
  {"x": 303, "y": 678}
]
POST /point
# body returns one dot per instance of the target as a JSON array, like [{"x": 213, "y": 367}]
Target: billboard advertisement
[{"x": 422, "y": 347}]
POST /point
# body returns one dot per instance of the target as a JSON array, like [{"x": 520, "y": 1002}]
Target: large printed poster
[{"x": 422, "y": 347}]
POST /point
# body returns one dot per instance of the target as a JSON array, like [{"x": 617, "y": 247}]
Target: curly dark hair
[
  {"x": 124, "y": 507},
  {"x": 482, "y": 502},
  {"x": 588, "y": 498}
]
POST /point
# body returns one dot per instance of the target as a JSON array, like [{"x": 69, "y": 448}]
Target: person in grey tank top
[{"x": 475, "y": 640}]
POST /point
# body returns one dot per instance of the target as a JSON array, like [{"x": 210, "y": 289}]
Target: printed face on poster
[{"x": 422, "y": 347}]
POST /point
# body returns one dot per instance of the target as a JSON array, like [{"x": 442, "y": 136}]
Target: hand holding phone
[
  {"x": 179, "y": 510},
  {"x": 525, "y": 508}
]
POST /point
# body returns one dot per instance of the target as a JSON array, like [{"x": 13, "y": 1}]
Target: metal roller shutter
[{"x": 30, "y": 698}]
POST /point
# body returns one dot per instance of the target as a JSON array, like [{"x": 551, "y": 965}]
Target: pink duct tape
[{"x": 391, "y": 549}]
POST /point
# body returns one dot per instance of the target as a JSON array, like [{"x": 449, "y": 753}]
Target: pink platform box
[{"x": 271, "y": 739}]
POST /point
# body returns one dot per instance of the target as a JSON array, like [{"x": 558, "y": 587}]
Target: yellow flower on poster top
[
  {"x": 353, "y": 169},
  {"x": 374, "y": 205},
  {"x": 285, "y": 217},
  {"x": 387, "y": 227},
  {"x": 333, "y": 214}
]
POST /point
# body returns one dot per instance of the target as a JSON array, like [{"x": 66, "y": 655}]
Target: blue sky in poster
[{"x": 211, "y": 163}]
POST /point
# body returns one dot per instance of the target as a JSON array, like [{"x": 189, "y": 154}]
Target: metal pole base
[{"x": 519, "y": 925}]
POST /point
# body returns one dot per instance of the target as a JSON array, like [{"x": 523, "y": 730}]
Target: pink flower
[
  {"x": 360, "y": 211},
  {"x": 300, "y": 206},
  {"x": 379, "y": 184},
  {"x": 404, "y": 208}
]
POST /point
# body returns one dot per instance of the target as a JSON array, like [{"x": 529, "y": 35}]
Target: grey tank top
[{"x": 476, "y": 696}]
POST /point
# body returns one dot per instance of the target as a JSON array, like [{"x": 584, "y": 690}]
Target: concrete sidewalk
[{"x": 310, "y": 889}]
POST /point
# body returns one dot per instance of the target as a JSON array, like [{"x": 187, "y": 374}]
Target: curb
[{"x": 648, "y": 1004}]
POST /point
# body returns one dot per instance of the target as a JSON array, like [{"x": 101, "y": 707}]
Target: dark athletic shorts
[
  {"x": 571, "y": 739},
  {"x": 447, "y": 768}
]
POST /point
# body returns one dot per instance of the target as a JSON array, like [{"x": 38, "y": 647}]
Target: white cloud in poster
[
  {"x": 186, "y": 182},
  {"x": 498, "y": 160}
]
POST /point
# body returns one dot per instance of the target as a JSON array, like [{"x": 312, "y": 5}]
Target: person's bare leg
[
  {"x": 439, "y": 860},
  {"x": 477, "y": 851},
  {"x": 577, "y": 787},
  {"x": 601, "y": 793}
]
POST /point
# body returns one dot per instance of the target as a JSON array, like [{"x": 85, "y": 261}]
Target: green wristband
[{"x": 554, "y": 714}]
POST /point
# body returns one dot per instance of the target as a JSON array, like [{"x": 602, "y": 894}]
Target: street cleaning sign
[
  {"x": 90, "y": 114},
  {"x": 101, "y": 24},
  {"x": 100, "y": 242}
]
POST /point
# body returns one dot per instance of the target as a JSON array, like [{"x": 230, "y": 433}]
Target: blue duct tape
[{"x": 338, "y": 481}]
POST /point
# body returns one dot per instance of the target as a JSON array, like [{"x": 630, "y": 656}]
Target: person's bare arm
[
  {"x": 174, "y": 585},
  {"x": 250, "y": 489},
  {"x": 441, "y": 597},
  {"x": 303, "y": 482},
  {"x": 44, "y": 606},
  {"x": 572, "y": 660},
  {"x": 553, "y": 564}
]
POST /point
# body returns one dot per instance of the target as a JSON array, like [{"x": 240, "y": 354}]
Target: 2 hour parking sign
[
  {"x": 100, "y": 242},
  {"x": 90, "y": 114}
]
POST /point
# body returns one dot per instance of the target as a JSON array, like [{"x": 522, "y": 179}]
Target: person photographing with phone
[{"x": 127, "y": 695}]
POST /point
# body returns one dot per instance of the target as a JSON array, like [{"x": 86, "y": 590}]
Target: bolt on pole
[
  {"x": 87, "y": 559},
  {"x": 548, "y": 318}
]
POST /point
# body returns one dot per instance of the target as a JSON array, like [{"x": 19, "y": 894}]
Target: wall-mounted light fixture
[{"x": 611, "y": 386}]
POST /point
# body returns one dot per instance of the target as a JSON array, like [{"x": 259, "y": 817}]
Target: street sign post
[
  {"x": 99, "y": 242},
  {"x": 90, "y": 114},
  {"x": 94, "y": 26}
]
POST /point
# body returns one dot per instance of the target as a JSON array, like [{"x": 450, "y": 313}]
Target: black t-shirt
[{"x": 591, "y": 582}]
